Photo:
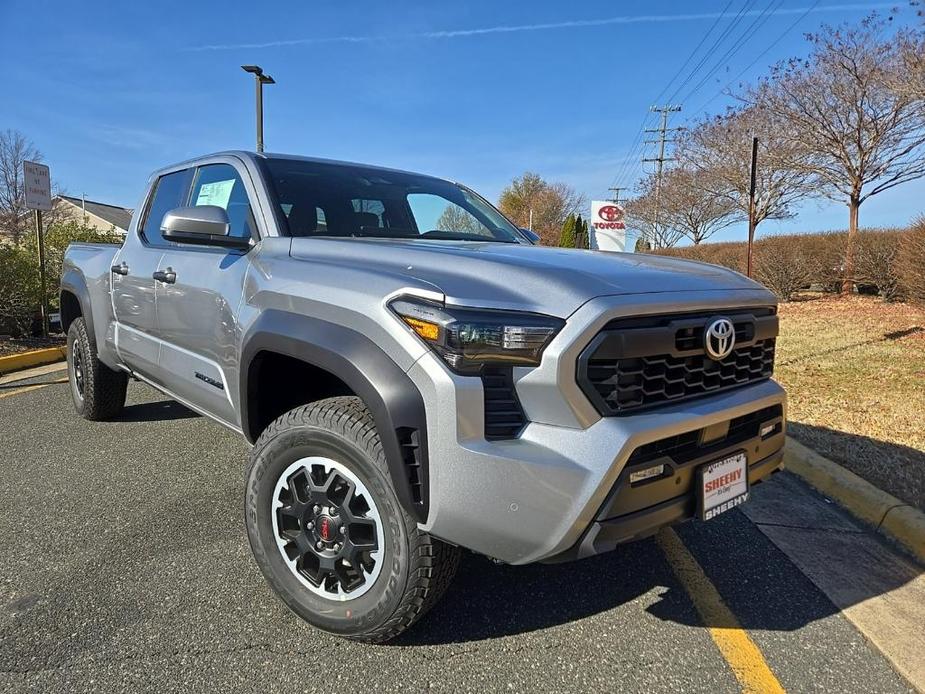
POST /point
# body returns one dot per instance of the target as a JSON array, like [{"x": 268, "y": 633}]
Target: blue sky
[{"x": 476, "y": 91}]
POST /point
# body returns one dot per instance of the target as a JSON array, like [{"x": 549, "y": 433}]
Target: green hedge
[
  {"x": 884, "y": 261},
  {"x": 20, "y": 290}
]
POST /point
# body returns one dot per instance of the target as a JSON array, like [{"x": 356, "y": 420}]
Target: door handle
[
  {"x": 121, "y": 269},
  {"x": 167, "y": 276}
]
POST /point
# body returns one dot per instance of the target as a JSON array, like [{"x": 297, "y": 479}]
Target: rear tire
[
  {"x": 98, "y": 392},
  {"x": 318, "y": 475}
]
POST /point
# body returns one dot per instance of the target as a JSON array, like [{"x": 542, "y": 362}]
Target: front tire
[
  {"x": 327, "y": 529},
  {"x": 98, "y": 392}
]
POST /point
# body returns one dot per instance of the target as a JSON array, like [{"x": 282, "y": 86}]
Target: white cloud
[{"x": 515, "y": 28}]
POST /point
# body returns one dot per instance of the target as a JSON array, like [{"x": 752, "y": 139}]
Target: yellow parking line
[
  {"x": 743, "y": 656},
  {"x": 26, "y": 389}
]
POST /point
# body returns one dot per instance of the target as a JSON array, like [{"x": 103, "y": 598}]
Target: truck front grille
[{"x": 636, "y": 364}]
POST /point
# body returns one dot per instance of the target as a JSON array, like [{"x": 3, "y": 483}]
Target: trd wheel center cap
[{"x": 326, "y": 528}]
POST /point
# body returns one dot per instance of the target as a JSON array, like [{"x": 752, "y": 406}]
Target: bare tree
[
  {"x": 15, "y": 149},
  {"x": 551, "y": 203},
  {"x": 719, "y": 149},
  {"x": 697, "y": 212},
  {"x": 640, "y": 216},
  {"x": 455, "y": 218},
  {"x": 911, "y": 49},
  {"x": 860, "y": 135}
]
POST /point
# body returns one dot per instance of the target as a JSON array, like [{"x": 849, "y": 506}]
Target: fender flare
[
  {"x": 395, "y": 402},
  {"x": 73, "y": 281}
]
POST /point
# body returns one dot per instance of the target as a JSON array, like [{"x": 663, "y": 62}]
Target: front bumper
[
  {"x": 536, "y": 497},
  {"x": 539, "y": 497}
]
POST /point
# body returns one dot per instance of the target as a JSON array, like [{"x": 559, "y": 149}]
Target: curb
[
  {"x": 901, "y": 522},
  {"x": 17, "y": 362}
]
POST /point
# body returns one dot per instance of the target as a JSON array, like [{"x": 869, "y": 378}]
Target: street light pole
[{"x": 260, "y": 79}]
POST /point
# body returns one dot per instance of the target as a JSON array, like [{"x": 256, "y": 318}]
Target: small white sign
[
  {"x": 38, "y": 186},
  {"x": 217, "y": 193},
  {"x": 608, "y": 227}
]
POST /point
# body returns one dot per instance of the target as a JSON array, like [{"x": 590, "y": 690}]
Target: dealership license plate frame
[{"x": 710, "y": 506}]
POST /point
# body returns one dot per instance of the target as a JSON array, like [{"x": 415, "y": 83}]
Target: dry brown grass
[{"x": 854, "y": 370}]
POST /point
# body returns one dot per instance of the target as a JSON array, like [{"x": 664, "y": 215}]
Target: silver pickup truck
[{"x": 417, "y": 376}]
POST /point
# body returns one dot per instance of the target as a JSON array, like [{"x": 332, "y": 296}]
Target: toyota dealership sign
[{"x": 608, "y": 227}]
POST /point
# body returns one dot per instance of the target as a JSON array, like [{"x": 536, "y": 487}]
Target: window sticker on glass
[{"x": 217, "y": 193}]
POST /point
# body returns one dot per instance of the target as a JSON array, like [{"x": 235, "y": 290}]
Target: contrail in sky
[{"x": 516, "y": 28}]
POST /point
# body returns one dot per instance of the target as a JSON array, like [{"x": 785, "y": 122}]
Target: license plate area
[{"x": 722, "y": 485}]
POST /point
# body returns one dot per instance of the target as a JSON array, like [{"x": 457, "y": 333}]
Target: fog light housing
[
  {"x": 769, "y": 430},
  {"x": 647, "y": 474}
]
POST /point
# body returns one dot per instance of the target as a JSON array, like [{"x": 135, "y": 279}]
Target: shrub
[
  {"x": 828, "y": 248},
  {"x": 876, "y": 254},
  {"x": 788, "y": 263},
  {"x": 20, "y": 285},
  {"x": 567, "y": 237},
  {"x": 784, "y": 265},
  {"x": 57, "y": 238},
  {"x": 910, "y": 262},
  {"x": 19, "y": 289}
]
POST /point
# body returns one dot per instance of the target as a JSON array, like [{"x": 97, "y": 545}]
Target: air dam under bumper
[
  {"x": 533, "y": 498},
  {"x": 637, "y": 510}
]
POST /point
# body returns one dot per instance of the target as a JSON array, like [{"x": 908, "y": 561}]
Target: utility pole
[
  {"x": 751, "y": 206},
  {"x": 260, "y": 79},
  {"x": 660, "y": 160},
  {"x": 616, "y": 194}
]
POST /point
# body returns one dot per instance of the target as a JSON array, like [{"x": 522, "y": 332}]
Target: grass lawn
[{"x": 854, "y": 370}]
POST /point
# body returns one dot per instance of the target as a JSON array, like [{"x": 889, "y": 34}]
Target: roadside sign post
[{"x": 38, "y": 197}]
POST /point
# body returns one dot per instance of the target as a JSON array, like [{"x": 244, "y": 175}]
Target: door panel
[
  {"x": 133, "y": 302},
  {"x": 197, "y": 324},
  {"x": 134, "y": 299},
  {"x": 197, "y": 312}
]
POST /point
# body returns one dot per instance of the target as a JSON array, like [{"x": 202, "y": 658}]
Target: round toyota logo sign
[
  {"x": 719, "y": 338},
  {"x": 610, "y": 213}
]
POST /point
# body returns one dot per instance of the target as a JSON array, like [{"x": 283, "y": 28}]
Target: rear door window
[{"x": 170, "y": 191}]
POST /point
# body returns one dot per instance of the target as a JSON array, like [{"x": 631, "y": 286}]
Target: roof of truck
[{"x": 248, "y": 154}]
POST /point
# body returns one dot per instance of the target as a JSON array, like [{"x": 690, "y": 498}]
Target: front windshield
[{"x": 328, "y": 199}]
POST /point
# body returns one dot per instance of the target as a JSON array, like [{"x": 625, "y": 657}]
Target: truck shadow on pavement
[
  {"x": 159, "y": 411},
  {"x": 762, "y": 587}
]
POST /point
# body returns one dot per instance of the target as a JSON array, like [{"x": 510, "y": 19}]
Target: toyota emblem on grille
[{"x": 719, "y": 339}]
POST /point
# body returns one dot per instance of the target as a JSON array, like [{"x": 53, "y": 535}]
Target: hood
[{"x": 554, "y": 281}]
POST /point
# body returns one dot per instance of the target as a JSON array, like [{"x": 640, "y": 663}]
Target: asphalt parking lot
[{"x": 125, "y": 565}]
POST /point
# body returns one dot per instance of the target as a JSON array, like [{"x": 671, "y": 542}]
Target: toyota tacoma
[{"x": 417, "y": 376}]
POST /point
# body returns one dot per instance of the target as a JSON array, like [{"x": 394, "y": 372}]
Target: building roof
[{"x": 119, "y": 217}]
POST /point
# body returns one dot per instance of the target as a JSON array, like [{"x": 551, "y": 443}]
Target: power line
[
  {"x": 750, "y": 30},
  {"x": 763, "y": 53},
  {"x": 637, "y": 140},
  {"x": 746, "y": 7},
  {"x": 734, "y": 48}
]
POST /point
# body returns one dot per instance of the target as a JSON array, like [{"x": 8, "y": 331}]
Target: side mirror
[
  {"x": 532, "y": 235},
  {"x": 205, "y": 225}
]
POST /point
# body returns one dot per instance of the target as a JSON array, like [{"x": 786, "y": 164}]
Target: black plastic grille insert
[{"x": 627, "y": 369}]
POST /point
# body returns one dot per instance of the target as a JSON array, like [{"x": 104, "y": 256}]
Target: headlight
[{"x": 467, "y": 338}]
